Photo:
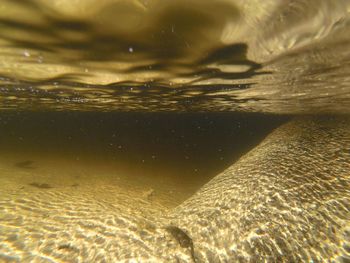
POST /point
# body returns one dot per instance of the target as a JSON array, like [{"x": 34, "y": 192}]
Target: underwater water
[
  {"x": 168, "y": 155},
  {"x": 115, "y": 113}
]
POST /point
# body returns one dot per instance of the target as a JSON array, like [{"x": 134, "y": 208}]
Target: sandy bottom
[
  {"x": 24, "y": 175},
  {"x": 62, "y": 210},
  {"x": 74, "y": 193}
]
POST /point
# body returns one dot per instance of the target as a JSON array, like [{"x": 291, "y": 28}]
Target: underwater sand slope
[{"x": 287, "y": 200}]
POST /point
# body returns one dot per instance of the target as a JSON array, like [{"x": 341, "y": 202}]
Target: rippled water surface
[{"x": 228, "y": 55}]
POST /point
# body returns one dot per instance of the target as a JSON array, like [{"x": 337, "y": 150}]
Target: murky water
[
  {"x": 170, "y": 155},
  {"x": 133, "y": 106}
]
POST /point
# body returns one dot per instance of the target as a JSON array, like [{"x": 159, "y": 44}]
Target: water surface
[{"x": 229, "y": 55}]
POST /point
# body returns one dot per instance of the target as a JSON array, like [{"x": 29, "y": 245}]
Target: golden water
[
  {"x": 151, "y": 99},
  {"x": 160, "y": 156}
]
